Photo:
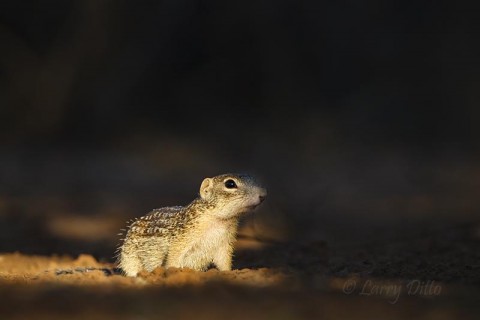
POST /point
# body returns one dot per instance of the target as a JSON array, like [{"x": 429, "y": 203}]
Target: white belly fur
[{"x": 200, "y": 252}]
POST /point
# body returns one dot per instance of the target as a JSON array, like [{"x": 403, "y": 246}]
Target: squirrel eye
[{"x": 230, "y": 184}]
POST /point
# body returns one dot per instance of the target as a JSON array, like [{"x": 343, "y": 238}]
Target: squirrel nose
[{"x": 262, "y": 198}]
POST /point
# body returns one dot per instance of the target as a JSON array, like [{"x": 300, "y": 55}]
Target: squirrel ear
[{"x": 205, "y": 188}]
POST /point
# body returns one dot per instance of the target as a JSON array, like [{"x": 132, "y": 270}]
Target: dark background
[{"x": 361, "y": 117}]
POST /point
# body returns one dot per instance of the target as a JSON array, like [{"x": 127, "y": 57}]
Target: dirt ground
[
  {"x": 390, "y": 253},
  {"x": 433, "y": 276}
]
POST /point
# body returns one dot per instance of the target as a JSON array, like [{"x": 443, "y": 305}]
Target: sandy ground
[
  {"x": 321, "y": 260},
  {"x": 430, "y": 277}
]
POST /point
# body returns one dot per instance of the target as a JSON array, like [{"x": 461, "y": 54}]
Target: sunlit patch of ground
[
  {"x": 85, "y": 270},
  {"x": 408, "y": 271},
  {"x": 78, "y": 288}
]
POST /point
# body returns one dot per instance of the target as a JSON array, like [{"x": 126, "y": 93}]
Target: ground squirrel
[{"x": 195, "y": 236}]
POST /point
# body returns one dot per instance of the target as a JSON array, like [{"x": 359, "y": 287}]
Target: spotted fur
[{"x": 193, "y": 236}]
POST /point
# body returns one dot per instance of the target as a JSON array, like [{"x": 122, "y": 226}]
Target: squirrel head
[{"x": 232, "y": 194}]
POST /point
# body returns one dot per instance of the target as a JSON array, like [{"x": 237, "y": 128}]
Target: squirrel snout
[{"x": 262, "y": 195}]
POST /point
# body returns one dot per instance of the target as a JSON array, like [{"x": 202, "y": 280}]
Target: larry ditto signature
[{"x": 392, "y": 291}]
